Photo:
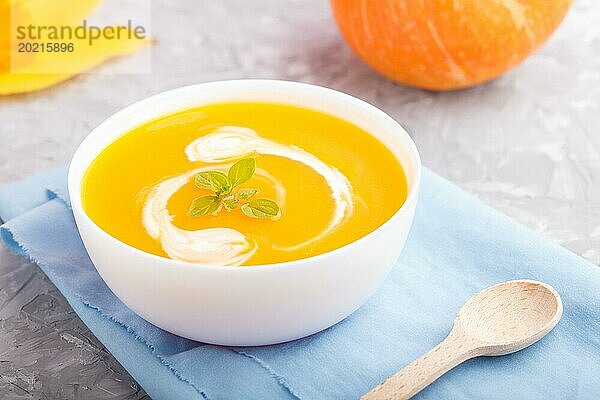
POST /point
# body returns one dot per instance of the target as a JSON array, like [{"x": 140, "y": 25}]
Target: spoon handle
[{"x": 413, "y": 378}]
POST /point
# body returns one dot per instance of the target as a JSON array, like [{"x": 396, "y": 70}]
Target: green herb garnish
[
  {"x": 260, "y": 208},
  {"x": 224, "y": 196}
]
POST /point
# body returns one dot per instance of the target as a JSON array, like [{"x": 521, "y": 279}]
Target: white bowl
[{"x": 245, "y": 306}]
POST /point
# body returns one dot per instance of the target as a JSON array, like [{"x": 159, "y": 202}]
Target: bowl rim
[{"x": 74, "y": 182}]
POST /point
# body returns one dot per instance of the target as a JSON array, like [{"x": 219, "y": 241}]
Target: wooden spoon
[{"x": 499, "y": 320}]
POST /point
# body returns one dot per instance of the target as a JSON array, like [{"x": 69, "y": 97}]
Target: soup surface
[{"x": 332, "y": 182}]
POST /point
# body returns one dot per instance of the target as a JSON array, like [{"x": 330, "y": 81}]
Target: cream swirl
[
  {"x": 225, "y": 246},
  {"x": 232, "y": 142},
  {"x": 207, "y": 246}
]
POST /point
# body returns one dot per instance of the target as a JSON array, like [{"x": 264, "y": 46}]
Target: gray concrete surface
[{"x": 527, "y": 143}]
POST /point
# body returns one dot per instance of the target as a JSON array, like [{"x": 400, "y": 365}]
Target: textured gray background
[{"x": 528, "y": 144}]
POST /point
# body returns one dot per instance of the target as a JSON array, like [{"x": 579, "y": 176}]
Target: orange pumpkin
[{"x": 446, "y": 44}]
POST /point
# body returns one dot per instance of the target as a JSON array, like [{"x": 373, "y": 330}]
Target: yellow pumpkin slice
[
  {"x": 35, "y": 71},
  {"x": 31, "y": 77},
  {"x": 56, "y": 12}
]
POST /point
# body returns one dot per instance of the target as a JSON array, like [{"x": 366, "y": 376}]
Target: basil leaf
[
  {"x": 202, "y": 180},
  {"x": 230, "y": 204},
  {"x": 261, "y": 208},
  {"x": 204, "y": 205},
  {"x": 241, "y": 171},
  {"x": 214, "y": 180},
  {"x": 245, "y": 194},
  {"x": 222, "y": 185}
]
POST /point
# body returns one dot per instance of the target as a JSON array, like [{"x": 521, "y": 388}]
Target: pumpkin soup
[{"x": 243, "y": 184}]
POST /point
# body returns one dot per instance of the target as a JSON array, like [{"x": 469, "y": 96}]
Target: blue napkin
[{"x": 457, "y": 247}]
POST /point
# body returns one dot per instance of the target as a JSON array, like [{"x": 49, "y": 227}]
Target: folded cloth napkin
[{"x": 457, "y": 247}]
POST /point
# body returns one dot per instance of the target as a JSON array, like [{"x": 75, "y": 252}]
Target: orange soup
[{"x": 243, "y": 184}]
